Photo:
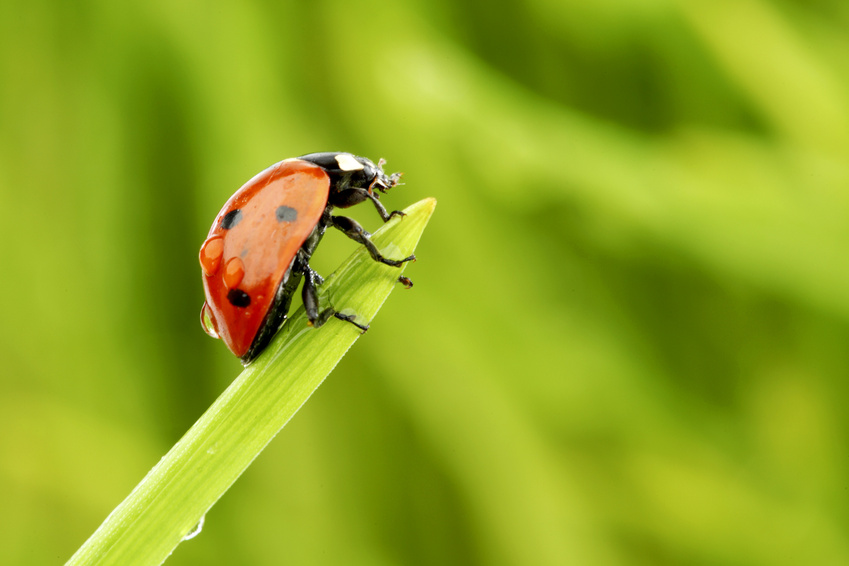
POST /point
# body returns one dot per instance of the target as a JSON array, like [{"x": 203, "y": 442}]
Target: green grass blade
[{"x": 149, "y": 524}]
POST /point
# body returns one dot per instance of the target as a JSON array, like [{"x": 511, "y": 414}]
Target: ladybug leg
[
  {"x": 349, "y": 318},
  {"x": 310, "y": 295},
  {"x": 353, "y": 230},
  {"x": 381, "y": 209},
  {"x": 352, "y": 196}
]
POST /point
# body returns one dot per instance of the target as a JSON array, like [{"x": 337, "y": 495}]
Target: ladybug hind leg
[
  {"x": 310, "y": 295},
  {"x": 353, "y": 230}
]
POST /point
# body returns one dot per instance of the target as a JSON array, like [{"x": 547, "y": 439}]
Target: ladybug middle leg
[
  {"x": 310, "y": 296},
  {"x": 353, "y": 230}
]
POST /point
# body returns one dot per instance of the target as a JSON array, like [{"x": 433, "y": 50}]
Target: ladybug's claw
[
  {"x": 351, "y": 318},
  {"x": 406, "y": 282}
]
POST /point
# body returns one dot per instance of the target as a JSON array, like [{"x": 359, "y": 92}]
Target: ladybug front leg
[
  {"x": 310, "y": 296},
  {"x": 352, "y": 196},
  {"x": 381, "y": 209},
  {"x": 353, "y": 230}
]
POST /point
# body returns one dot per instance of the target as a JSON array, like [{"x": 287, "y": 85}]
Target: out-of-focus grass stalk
[{"x": 174, "y": 496}]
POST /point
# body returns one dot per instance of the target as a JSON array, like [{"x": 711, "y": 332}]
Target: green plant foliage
[
  {"x": 627, "y": 341},
  {"x": 177, "y": 493}
]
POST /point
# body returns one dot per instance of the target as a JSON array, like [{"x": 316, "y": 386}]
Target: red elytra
[{"x": 258, "y": 249}]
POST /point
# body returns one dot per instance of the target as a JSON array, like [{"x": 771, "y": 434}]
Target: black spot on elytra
[
  {"x": 231, "y": 219},
  {"x": 238, "y": 298},
  {"x": 286, "y": 214}
]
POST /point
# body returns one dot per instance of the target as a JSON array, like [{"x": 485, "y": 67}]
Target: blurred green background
[{"x": 628, "y": 343}]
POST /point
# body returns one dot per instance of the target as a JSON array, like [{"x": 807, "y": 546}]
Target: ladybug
[{"x": 259, "y": 247}]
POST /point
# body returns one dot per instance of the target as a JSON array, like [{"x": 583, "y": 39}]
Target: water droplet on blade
[{"x": 196, "y": 531}]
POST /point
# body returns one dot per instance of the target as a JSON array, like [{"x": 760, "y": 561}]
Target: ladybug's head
[
  {"x": 379, "y": 180},
  {"x": 349, "y": 174}
]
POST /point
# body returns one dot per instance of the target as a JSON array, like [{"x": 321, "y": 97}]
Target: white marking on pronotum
[{"x": 348, "y": 163}]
